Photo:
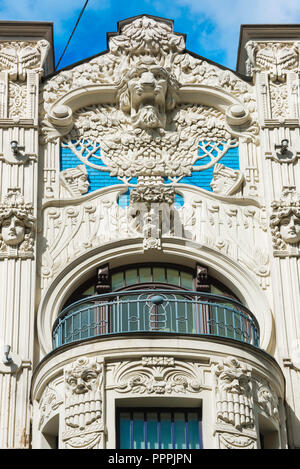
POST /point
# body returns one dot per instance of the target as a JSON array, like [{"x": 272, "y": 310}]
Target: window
[{"x": 159, "y": 428}]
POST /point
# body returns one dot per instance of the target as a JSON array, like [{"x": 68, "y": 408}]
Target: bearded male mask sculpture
[
  {"x": 147, "y": 92},
  {"x": 83, "y": 404}
]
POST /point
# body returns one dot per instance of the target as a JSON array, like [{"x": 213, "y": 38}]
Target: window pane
[
  {"x": 193, "y": 431},
  {"x": 173, "y": 276},
  {"x": 89, "y": 291},
  {"x": 179, "y": 430},
  {"x": 131, "y": 276},
  {"x": 145, "y": 274},
  {"x": 159, "y": 274},
  {"x": 117, "y": 280},
  {"x": 160, "y": 429},
  {"x": 152, "y": 430},
  {"x": 125, "y": 430},
  {"x": 165, "y": 431},
  {"x": 186, "y": 280},
  {"x": 138, "y": 431}
]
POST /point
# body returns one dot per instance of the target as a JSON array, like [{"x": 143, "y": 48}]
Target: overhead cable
[{"x": 81, "y": 13}]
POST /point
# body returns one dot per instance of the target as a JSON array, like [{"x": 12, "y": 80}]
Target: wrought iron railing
[{"x": 155, "y": 311}]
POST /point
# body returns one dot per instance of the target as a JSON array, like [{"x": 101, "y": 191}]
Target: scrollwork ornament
[
  {"x": 232, "y": 441},
  {"x": 157, "y": 379}
]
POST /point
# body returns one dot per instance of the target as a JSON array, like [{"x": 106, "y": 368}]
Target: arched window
[{"x": 156, "y": 298}]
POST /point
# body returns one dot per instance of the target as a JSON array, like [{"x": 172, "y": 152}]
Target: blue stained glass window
[
  {"x": 203, "y": 178},
  {"x": 97, "y": 179},
  {"x": 159, "y": 428}
]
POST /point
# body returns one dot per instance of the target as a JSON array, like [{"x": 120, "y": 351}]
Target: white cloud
[{"x": 226, "y": 16}]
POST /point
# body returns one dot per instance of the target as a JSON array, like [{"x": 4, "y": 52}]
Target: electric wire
[{"x": 81, "y": 13}]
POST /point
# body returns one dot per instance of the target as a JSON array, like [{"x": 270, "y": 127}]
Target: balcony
[{"x": 155, "y": 311}]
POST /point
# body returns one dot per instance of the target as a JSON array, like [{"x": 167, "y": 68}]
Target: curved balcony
[{"x": 155, "y": 311}]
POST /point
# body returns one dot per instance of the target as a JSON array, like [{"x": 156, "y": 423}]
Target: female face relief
[
  {"x": 290, "y": 229},
  {"x": 12, "y": 230}
]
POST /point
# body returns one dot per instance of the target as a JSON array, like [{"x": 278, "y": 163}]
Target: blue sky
[{"x": 212, "y": 26}]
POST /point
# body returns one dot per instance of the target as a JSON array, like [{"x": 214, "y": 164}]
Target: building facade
[{"x": 150, "y": 242}]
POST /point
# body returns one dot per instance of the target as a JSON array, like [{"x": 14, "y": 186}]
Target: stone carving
[
  {"x": 192, "y": 133},
  {"x": 157, "y": 376},
  {"x": 226, "y": 181},
  {"x": 232, "y": 441},
  {"x": 75, "y": 180},
  {"x": 285, "y": 223},
  {"x": 147, "y": 65},
  {"x": 19, "y": 57},
  {"x": 152, "y": 193},
  {"x": 17, "y": 100},
  {"x": 277, "y": 58},
  {"x": 279, "y": 100},
  {"x": 83, "y": 403},
  {"x": 16, "y": 226},
  {"x": 234, "y": 395},
  {"x": 50, "y": 402},
  {"x": 147, "y": 36},
  {"x": 147, "y": 92},
  {"x": 266, "y": 399}
]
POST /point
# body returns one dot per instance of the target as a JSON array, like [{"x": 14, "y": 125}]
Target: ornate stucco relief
[
  {"x": 155, "y": 375},
  {"x": 17, "y": 226},
  {"x": 83, "y": 404},
  {"x": 74, "y": 181},
  {"x": 17, "y": 58},
  {"x": 266, "y": 399},
  {"x": 285, "y": 224},
  {"x": 234, "y": 405},
  {"x": 277, "y": 58},
  {"x": 233, "y": 226},
  {"x": 51, "y": 401},
  {"x": 137, "y": 62}
]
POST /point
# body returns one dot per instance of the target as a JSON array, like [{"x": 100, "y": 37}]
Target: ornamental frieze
[
  {"x": 276, "y": 58},
  {"x": 155, "y": 375},
  {"x": 17, "y": 58}
]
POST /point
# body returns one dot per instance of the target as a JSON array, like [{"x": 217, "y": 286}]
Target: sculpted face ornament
[
  {"x": 16, "y": 225},
  {"x": 285, "y": 220},
  {"x": 290, "y": 229},
  {"x": 13, "y": 230},
  {"x": 75, "y": 180},
  {"x": 83, "y": 393},
  {"x": 147, "y": 92},
  {"x": 226, "y": 181},
  {"x": 233, "y": 394}
]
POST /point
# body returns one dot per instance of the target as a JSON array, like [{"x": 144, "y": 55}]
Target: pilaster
[
  {"x": 272, "y": 58},
  {"x": 23, "y": 52}
]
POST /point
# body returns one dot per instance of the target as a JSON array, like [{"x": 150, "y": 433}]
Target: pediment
[{"x": 147, "y": 42}]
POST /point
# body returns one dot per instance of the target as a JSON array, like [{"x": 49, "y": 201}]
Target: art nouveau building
[{"x": 150, "y": 242}]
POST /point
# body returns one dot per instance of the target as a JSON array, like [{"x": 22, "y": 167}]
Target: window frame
[{"x": 160, "y": 410}]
